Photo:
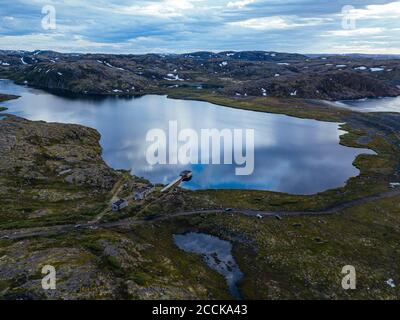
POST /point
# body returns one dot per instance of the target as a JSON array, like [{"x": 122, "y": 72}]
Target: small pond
[{"x": 216, "y": 253}]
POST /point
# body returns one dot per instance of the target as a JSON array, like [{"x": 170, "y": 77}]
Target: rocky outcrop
[
  {"x": 41, "y": 151},
  {"x": 50, "y": 172}
]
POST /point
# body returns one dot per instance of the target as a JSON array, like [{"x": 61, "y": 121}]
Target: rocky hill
[
  {"x": 233, "y": 74},
  {"x": 50, "y": 171},
  {"x": 52, "y": 175}
]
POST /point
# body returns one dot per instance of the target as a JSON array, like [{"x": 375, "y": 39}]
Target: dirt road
[{"x": 54, "y": 230}]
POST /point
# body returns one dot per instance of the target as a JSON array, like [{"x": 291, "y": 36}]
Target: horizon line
[{"x": 197, "y": 51}]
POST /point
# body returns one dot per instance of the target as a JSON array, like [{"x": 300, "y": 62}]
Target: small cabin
[
  {"x": 186, "y": 175},
  {"x": 119, "y": 205},
  {"x": 143, "y": 193}
]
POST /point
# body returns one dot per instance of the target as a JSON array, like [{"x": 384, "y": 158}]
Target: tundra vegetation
[{"x": 56, "y": 190}]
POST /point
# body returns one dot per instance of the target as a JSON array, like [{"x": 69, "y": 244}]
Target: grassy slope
[
  {"x": 142, "y": 263},
  {"x": 302, "y": 257},
  {"x": 33, "y": 193}
]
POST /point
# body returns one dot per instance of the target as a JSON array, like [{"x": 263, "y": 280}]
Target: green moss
[
  {"x": 300, "y": 108},
  {"x": 302, "y": 257},
  {"x": 141, "y": 278},
  {"x": 114, "y": 264}
]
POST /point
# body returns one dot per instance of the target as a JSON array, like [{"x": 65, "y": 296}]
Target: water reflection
[
  {"x": 216, "y": 253},
  {"x": 373, "y": 105},
  {"x": 291, "y": 155}
]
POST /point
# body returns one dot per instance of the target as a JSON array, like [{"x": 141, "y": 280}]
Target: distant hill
[
  {"x": 228, "y": 73},
  {"x": 359, "y": 55}
]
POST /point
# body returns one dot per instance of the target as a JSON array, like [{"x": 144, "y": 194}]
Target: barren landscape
[{"x": 56, "y": 190}]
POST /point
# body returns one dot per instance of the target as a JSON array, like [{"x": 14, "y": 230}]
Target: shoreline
[
  {"x": 351, "y": 138},
  {"x": 359, "y": 192}
]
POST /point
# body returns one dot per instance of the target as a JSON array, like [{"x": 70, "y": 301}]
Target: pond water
[
  {"x": 388, "y": 104},
  {"x": 291, "y": 155},
  {"x": 216, "y": 253}
]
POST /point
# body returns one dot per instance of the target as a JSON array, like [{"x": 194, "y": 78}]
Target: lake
[
  {"x": 292, "y": 155},
  {"x": 387, "y": 104}
]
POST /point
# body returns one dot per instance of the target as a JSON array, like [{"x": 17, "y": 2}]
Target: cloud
[
  {"x": 59, "y": 43},
  {"x": 355, "y": 32},
  {"x": 240, "y": 4},
  {"x": 376, "y": 11},
  {"x": 163, "y": 9},
  {"x": 127, "y": 26},
  {"x": 276, "y": 22}
]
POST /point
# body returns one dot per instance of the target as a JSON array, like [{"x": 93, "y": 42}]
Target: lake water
[
  {"x": 216, "y": 253},
  {"x": 291, "y": 155},
  {"x": 388, "y": 104}
]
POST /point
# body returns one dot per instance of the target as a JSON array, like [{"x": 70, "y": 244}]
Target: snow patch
[
  {"x": 109, "y": 65},
  {"x": 390, "y": 283},
  {"x": 173, "y": 77},
  {"x": 377, "y": 69},
  {"x": 264, "y": 92}
]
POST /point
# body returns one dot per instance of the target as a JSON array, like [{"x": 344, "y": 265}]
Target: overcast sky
[{"x": 130, "y": 26}]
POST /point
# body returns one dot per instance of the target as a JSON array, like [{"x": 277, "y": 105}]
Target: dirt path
[
  {"x": 47, "y": 231},
  {"x": 113, "y": 197}
]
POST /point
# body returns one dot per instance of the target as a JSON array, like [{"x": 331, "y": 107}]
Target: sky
[{"x": 177, "y": 26}]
